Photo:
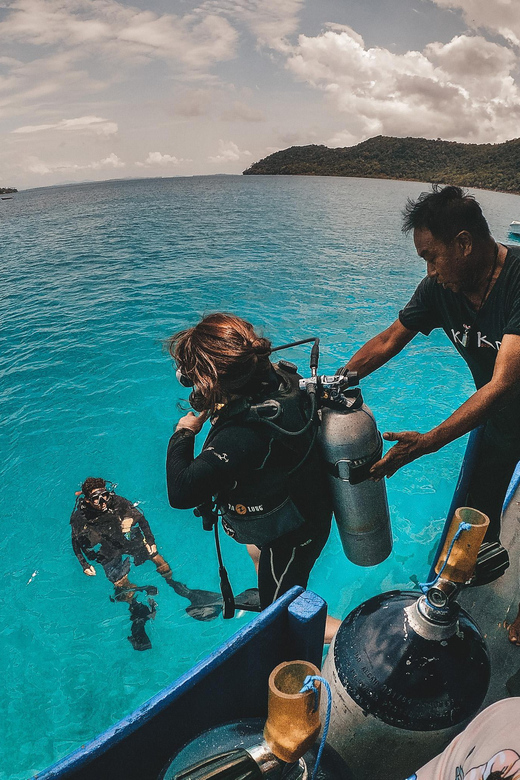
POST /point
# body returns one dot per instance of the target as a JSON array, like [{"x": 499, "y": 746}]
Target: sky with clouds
[{"x": 100, "y": 89}]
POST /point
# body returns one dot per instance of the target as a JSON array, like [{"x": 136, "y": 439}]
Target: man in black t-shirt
[{"x": 472, "y": 292}]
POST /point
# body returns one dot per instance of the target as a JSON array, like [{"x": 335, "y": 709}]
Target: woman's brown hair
[{"x": 223, "y": 356}]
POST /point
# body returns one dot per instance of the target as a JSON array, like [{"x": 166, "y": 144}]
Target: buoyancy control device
[
  {"x": 259, "y": 509},
  {"x": 332, "y": 413},
  {"x": 406, "y": 670}
]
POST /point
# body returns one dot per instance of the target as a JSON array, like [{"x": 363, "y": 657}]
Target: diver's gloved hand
[
  {"x": 90, "y": 571},
  {"x": 343, "y": 371}
]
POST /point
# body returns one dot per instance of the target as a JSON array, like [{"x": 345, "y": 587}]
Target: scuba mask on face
[
  {"x": 99, "y": 498},
  {"x": 183, "y": 379},
  {"x": 196, "y": 400}
]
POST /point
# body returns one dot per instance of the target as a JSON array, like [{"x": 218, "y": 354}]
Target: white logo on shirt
[{"x": 482, "y": 341}]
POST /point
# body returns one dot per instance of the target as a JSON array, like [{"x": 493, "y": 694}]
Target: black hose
[{"x": 225, "y": 585}]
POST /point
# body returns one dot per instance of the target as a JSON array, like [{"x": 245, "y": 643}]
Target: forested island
[
  {"x": 484, "y": 166},
  {"x": 7, "y": 190}
]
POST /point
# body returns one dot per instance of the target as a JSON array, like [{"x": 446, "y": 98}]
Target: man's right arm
[{"x": 379, "y": 350}]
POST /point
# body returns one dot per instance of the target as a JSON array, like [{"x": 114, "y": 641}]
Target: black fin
[
  {"x": 207, "y": 605},
  {"x": 248, "y": 600},
  {"x": 150, "y": 590},
  {"x": 205, "y": 612},
  {"x": 139, "y": 614}
]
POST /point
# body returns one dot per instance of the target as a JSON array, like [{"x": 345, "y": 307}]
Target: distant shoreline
[{"x": 494, "y": 167}]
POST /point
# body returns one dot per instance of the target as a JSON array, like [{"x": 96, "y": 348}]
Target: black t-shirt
[{"x": 431, "y": 306}]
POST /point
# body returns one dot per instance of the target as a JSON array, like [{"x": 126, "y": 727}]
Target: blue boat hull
[{"x": 229, "y": 684}]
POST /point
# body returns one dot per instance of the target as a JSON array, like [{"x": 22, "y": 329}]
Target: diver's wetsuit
[
  {"x": 432, "y": 306},
  {"x": 105, "y": 537},
  {"x": 238, "y": 451}
]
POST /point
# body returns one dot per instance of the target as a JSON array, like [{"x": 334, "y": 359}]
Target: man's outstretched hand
[{"x": 410, "y": 446}]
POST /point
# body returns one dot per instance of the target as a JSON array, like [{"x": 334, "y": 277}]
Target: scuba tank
[
  {"x": 282, "y": 748},
  {"x": 408, "y": 671},
  {"x": 350, "y": 444}
]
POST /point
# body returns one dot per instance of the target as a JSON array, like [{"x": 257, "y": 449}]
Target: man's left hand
[{"x": 410, "y": 446}]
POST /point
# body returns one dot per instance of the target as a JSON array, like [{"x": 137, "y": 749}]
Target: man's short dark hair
[
  {"x": 445, "y": 212},
  {"x": 92, "y": 483}
]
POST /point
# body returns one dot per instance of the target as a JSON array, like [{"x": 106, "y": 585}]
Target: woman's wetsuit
[{"x": 240, "y": 451}]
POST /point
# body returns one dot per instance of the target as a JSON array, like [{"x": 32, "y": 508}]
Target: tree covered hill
[
  {"x": 7, "y": 190},
  {"x": 485, "y": 166}
]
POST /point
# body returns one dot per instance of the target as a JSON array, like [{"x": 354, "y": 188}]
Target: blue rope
[
  {"x": 308, "y": 685},
  {"x": 425, "y": 586}
]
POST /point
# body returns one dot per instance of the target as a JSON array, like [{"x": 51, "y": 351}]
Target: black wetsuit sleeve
[
  {"x": 127, "y": 509},
  {"x": 77, "y": 547},
  {"x": 192, "y": 481},
  {"x": 143, "y": 524}
]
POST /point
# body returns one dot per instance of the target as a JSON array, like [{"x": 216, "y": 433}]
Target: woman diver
[{"x": 259, "y": 461}]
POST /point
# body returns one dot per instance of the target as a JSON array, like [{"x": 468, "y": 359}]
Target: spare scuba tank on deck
[
  {"x": 283, "y": 748},
  {"x": 408, "y": 671}
]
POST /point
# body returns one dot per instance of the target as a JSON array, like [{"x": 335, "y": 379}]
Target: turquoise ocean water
[{"x": 93, "y": 278}]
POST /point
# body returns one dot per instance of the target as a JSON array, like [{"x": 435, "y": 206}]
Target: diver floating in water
[{"x": 109, "y": 530}]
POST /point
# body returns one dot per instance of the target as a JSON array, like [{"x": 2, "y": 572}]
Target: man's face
[
  {"x": 99, "y": 499},
  {"x": 446, "y": 263}
]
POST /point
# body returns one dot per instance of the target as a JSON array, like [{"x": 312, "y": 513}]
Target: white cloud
[
  {"x": 193, "y": 103},
  {"x": 270, "y": 21},
  {"x": 194, "y": 39},
  {"x": 501, "y": 16},
  {"x": 35, "y": 165},
  {"x": 342, "y": 138},
  {"x": 463, "y": 90},
  {"x": 229, "y": 152},
  {"x": 241, "y": 112},
  {"x": 156, "y": 158},
  {"x": 93, "y": 124}
]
